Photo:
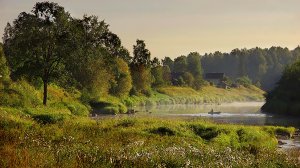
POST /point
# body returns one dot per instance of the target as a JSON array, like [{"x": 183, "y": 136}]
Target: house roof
[{"x": 214, "y": 75}]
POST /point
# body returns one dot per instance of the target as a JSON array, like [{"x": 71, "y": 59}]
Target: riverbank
[
  {"x": 76, "y": 141},
  {"x": 182, "y": 95},
  {"x": 62, "y": 135}
]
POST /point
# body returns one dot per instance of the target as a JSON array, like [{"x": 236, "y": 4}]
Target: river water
[{"x": 246, "y": 113}]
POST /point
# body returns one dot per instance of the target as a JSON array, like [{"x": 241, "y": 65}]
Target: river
[{"x": 246, "y": 113}]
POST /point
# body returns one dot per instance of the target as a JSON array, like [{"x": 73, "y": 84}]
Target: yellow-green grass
[
  {"x": 135, "y": 142},
  {"x": 187, "y": 95}
]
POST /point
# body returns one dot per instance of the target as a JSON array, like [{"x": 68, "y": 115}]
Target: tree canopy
[{"x": 35, "y": 43}]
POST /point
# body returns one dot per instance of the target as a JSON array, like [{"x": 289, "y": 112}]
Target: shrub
[
  {"x": 78, "y": 109},
  {"x": 206, "y": 133},
  {"x": 126, "y": 123},
  {"x": 110, "y": 110},
  {"x": 163, "y": 131},
  {"x": 49, "y": 118},
  {"x": 245, "y": 81}
]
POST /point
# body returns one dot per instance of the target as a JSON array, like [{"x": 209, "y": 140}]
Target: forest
[
  {"x": 49, "y": 46},
  {"x": 263, "y": 66}
]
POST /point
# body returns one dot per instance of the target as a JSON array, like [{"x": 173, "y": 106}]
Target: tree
[
  {"x": 180, "y": 67},
  {"x": 167, "y": 61},
  {"x": 88, "y": 43},
  {"x": 155, "y": 62},
  {"x": 166, "y": 75},
  {"x": 141, "y": 77},
  {"x": 141, "y": 55},
  {"x": 140, "y": 67},
  {"x": 4, "y": 70},
  {"x": 35, "y": 44},
  {"x": 285, "y": 97},
  {"x": 195, "y": 68},
  {"x": 244, "y": 80},
  {"x": 194, "y": 64},
  {"x": 188, "y": 79},
  {"x": 99, "y": 79},
  {"x": 157, "y": 73},
  {"x": 122, "y": 83}
]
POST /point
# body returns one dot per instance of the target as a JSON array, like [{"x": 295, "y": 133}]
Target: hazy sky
[{"x": 176, "y": 27}]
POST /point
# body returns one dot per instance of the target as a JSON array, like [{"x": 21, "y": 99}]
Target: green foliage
[
  {"x": 141, "y": 77},
  {"x": 99, "y": 81},
  {"x": 188, "y": 79},
  {"x": 167, "y": 76},
  {"x": 4, "y": 70},
  {"x": 122, "y": 83},
  {"x": 48, "y": 118},
  {"x": 180, "y": 65},
  {"x": 260, "y": 65},
  {"x": 19, "y": 94},
  {"x": 158, "y": 76},
  {"x": 167, "y": 61},
  {"x": 245, "y": 81},
  {"x": 194, "y": 64},
  {"x": 140, "y": 67},
  {"x": 285, "y": 97},
  {"x": 141, "y": 55},
  {"x": 35, "y": 44},
  {"x": 163, "y": 131},
  {"x": 205, "y": 133}
]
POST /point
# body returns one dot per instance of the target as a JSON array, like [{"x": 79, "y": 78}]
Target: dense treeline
[
  {"x": 285, "y": 98},
  {"x": 48, "y": 45},
  {"x": 263, "y": 66}
]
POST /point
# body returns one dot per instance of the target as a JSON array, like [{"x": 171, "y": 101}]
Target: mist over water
[{"x": 246, "y": 113}]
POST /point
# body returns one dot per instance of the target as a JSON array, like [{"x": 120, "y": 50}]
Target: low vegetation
[{"x": 134, "y": 142}]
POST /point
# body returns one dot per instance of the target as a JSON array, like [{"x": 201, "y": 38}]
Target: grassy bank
[
  {"x": 135, "y": 142},
  {"x": 20, "y": 94},
  {"x": 187, "y": 95},
  {"x": 61, "y": 134}
]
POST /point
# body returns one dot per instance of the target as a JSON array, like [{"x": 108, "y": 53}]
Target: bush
[
  {"x": 206, "y": 133},
  {"x": 78, "y": 109},
  {"x": 110, "y": 110},
  {"x": 126, "y": 123},
  {"x": 245, "y": 81},
  {"x": 163, "y": 131},
  {"x": 49, "y": 118}
]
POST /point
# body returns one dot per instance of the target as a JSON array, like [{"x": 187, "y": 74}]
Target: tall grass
[{"x": 136, "y": 142}]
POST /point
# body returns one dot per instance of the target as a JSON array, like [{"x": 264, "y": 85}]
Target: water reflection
[{"x": 247, "y": 113}]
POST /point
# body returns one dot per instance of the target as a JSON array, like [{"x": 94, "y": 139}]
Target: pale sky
[{"x": 177, "y": 27}]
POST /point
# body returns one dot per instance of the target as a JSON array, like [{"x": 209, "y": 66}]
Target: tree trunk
[{"x": 45, "y": 92}]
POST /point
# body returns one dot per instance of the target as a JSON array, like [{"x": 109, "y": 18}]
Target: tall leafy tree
[
  {"x": 140, "y": 66},
  {"x": 122, "y": 82},
  {"x": 194, "y": 64},
  {"x": 167, "y": 61},
  {"x": 141, "y": 55},
  {"x": 35, "y": 44}
]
